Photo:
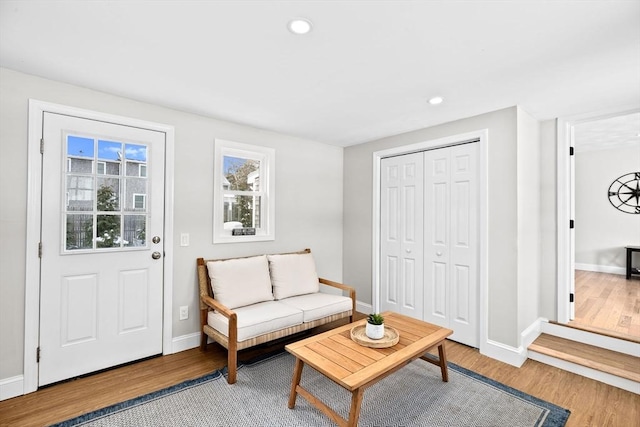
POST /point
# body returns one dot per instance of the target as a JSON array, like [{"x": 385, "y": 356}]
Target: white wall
[
  {"x": 547, "y": 304},
  {"x": 528, "y": 219},
  {"x": 603, "y": 231},
  {"x": 308, "y": 197},
  {"x": 503, "y": 213}
]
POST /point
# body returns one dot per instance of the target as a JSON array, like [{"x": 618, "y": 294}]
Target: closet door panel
[{"x": 402, "y": 234}]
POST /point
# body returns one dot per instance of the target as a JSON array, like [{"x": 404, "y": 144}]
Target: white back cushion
[
  {"x": 293, "y": 274},
  {"x": 241, "y": 281}
]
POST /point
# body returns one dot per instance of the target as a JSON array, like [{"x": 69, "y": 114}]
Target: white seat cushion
[
  {"x": 318, "y": 305},
  {"x": 258, "y": 319},
  {"x": 293, "y": 274},
  {"x": 240, "y": 281}
]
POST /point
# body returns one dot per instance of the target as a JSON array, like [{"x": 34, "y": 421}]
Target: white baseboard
[
  {"x": 185, "y": 342},
  {"x": 11, "y": 387},
  {"x": 601, "y": 268},
  {"x": 504, "y": 353},
  {"x": 363, "y": 308},
  {"x": 514, "y": 356}
]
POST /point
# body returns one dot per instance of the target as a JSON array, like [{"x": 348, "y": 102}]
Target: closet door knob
[{"x": 439, "y": 253}]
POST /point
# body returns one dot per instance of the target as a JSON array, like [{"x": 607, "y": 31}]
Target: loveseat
[{"x": 253, "y": 300}]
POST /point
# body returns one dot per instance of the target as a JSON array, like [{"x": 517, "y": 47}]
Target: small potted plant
[{"x": 375, "y": 326}]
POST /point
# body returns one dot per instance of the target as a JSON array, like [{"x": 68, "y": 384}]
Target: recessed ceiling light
[
  {"x": 299, "y": 26},
  {"x": 436, "y": 100}
]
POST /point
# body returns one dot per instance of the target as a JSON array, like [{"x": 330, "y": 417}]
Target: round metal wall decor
[{"x": 624, "y": 193}]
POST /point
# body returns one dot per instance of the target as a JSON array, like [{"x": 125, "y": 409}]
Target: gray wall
[
  {"x": 505, "y": 193},
  {"x": 528, "y": 219},
  {"x": 603, "y": 231},
  {"x": 548, "y": 297},
  {"x": 308, "y": 197}
]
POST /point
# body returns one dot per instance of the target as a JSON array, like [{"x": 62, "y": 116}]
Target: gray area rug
[{"x": 413, "y": 396}]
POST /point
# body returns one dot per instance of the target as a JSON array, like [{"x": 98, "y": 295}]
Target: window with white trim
[
  {"x": 102, "y": 168},
  {"x": 139, "y": 201},
  {"x": 243, "y": 193}
]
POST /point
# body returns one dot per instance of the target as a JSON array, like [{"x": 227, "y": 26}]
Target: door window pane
[
  {"x": 108, "y": 195},
  {"x": 108, "y": 231},
  {"x": 79, "y": 191},
  {"x": 136, "y": 160},
  {"x": 135, "y": 230},
  {"x": 135, "y": 192},
  {"x": 79, "y": 232},
  {"x": 79, "y": 154},
  {"x": 110, "y": 153}
]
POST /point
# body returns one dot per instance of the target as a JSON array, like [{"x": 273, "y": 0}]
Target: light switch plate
[{"x": 184, "y": 239}]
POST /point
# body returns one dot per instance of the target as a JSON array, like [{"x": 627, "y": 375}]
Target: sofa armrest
[
  {"x": 352, "y": 291},
  {"x": 217, "y": 306}
]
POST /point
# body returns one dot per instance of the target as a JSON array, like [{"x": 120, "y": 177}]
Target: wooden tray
[{"x": 390, "y": 338}]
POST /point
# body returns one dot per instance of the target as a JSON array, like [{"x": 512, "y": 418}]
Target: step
[
  {"x": 599, "y": 331},
  {"x": 610, "y": 362}
]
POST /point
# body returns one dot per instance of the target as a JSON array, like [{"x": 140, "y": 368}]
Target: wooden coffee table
[{"x": 354, "y": 367}]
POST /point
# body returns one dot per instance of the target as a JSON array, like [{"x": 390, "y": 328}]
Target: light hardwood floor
[
  {"x": 592, "y": 403},
  {"x": 608, "y": 301}
]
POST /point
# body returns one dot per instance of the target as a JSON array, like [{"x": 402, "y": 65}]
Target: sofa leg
[
  {"x": 203, "y": 341},
  {"x": 232, "y": 366}
]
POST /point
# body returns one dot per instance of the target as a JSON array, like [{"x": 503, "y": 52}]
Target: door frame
[
  {"x": 565, "y": 200},
  {"x": 34, "y": 218},
  {"x": 482, "y": 138}
]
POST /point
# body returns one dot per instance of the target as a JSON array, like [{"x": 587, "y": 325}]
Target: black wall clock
[{"x": 624, "y": 193}]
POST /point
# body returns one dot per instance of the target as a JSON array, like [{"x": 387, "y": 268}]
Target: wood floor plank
[{"x": 607, "y": 301}]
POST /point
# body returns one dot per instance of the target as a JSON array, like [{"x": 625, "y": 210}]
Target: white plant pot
[{"x": 375, "y": 332}]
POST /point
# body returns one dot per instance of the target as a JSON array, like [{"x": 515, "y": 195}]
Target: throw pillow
[
  {"x": 241, "y": 281},
  {"x": 293, "y": 274}
]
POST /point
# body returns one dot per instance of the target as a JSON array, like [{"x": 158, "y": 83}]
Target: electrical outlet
[{"x": 184, "y": 312}]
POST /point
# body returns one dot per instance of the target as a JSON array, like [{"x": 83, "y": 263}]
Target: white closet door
[
  {"x": 402, "y": 234},
  {"x": 451, "y": 242}
]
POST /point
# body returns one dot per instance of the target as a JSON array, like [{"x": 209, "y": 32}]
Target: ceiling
[
  {"x": 619, "y": 131},
  {"x": 365, "y": 71}
]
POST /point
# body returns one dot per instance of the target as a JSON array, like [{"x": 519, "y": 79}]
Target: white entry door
[
  {"x": 401, "y": 234},
  {"x": 451, "y": 241},
  {"x": 102, "y": 246}
]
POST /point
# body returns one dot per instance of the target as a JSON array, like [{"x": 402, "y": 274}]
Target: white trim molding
[{"x": 32, "y": 280}]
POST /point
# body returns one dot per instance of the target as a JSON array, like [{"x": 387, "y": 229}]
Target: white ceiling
[
  {"x": 364, "y": 72},
  {"x": 620, "y": 131}
]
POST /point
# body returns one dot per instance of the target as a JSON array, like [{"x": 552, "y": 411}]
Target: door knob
[
  {"x": 156, "y": 255},
  {"x": 439, "y": 253},
  {"x": 408, "y": 250},
  {"x": 156, "y": 239}
]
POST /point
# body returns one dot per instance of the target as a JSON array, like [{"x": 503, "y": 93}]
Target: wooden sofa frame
[{"x": 208, "y": 302}]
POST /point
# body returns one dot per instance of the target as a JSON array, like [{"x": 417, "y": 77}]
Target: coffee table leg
[
  {"x": 297, "y": 373},
  {"x": 354, "y": 412},
  {"x": 443, "y": 362}
]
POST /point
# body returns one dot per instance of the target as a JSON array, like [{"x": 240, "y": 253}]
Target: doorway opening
[{"x": 595, "y": 153}]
